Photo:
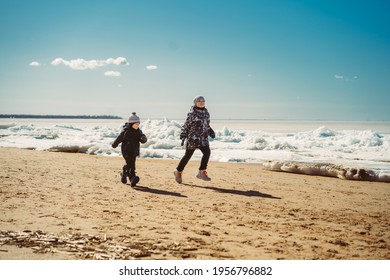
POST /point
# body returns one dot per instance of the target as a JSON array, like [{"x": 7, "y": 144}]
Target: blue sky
[{"x": 250, "y": 59}]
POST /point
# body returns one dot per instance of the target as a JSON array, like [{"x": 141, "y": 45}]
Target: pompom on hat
[
  {"x": 197, "y": 98},
  {"x": 134, "y": 118}
]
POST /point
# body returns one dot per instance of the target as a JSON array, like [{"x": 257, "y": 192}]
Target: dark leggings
[
  {"x": 187, "y": 156},
  {"x": 129, "y": 168}
]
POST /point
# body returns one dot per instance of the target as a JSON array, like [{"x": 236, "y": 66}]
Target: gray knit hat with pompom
[{"x": 134, "y": 118}]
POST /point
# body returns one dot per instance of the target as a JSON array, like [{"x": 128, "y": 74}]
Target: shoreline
[
  {"x": 353, "y": 154},
  {"x": 245, "y": 212},
  {"x": 323, "y": 169}
]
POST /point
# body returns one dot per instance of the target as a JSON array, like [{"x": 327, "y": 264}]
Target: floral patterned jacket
[{"x": 196, "y": 128}]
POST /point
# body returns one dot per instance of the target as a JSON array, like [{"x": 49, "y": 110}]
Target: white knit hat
[
  {"x": 134, "y": 118},
  {"x": 196, "y": 98}
]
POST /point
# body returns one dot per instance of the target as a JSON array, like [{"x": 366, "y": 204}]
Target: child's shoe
[
  {"x": 203, "y": 175},
  {"x": 134, "y": 180},
  {"x": 123, "y": 177},
  {"x": 178, "y": 176}
]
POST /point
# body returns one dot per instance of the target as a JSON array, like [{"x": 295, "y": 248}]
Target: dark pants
[
  {"x": 129, "y": 168},
  {"x": 187, "y": 156}
]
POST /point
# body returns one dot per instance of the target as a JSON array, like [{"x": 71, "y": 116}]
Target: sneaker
[
  {"x": 134, "y": 180},
  {"x": 178, "y": 176},
  {"x": 203, "y": 175},
  {"x": 123, "y": 177}
]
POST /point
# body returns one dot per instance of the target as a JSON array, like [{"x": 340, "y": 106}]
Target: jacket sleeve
[
  {"x": 186, "y": 127},
  {"x": 118, "y": 140}
]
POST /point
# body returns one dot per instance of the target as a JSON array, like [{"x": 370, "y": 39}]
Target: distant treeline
[{"x": 18, "y": 116}]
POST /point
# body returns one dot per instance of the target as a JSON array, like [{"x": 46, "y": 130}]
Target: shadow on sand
[
  {"x": 156, "y": 191},
  {"x": 237, "y": 192}
]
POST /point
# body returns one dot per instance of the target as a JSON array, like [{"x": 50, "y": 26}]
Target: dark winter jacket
[
  {"x": 130, "y": 139},
  {"x": 197, "y": 128}
]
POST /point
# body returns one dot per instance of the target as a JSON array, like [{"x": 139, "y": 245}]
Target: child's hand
[
  {"x": 143, "y": 139},
  {"x": 211, "y": 133},
  {"x": 183, "y": 135}
]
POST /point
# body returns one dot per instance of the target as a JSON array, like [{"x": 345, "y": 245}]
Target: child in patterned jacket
[{"x": 196, "y": 131}]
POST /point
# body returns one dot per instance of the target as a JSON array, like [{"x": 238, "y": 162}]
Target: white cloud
[
  {"x": 117, "y": 61},
  {"x": 151, "y": 67},
  {"x": 35, "y": 63},
  {"x": 82, "y": 64},
  {"x": 112, "y": 74},
  {"x": 344, "y": 78}
]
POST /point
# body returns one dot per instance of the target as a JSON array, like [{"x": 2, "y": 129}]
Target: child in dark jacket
[{"x": 130, "y": 137}]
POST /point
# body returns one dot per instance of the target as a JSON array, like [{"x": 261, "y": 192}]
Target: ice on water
[{"x": 334, "y": 149}]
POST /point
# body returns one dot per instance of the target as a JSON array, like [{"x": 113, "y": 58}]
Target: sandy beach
[{"x": 73, "y": 206}]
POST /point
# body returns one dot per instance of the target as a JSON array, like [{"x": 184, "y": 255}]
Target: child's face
[
  {"x": 200, "y": 103},
  {"x": 135, "y": 125}
]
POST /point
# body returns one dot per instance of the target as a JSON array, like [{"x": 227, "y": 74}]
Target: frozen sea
[{"x": 344, "y": 149}]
